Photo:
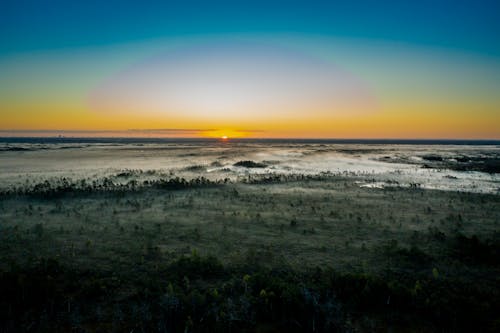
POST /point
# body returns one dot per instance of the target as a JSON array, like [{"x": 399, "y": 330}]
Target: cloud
[{"x": 136, "y": 132}]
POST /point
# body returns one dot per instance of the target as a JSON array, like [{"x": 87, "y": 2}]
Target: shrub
[{"x": 250, "y": 164}]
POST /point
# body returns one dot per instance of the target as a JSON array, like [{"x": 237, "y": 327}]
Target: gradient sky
[{"x": 332, "y": 69}]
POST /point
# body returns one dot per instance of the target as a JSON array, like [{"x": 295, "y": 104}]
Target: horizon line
[
  {"x": 196, "y": 133},
  {"x": 248, "y": 138}
]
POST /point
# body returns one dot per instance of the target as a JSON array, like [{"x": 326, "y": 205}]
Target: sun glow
[
  {"x": 251, "y": 89},
  {"x": 227, "y": 133}
]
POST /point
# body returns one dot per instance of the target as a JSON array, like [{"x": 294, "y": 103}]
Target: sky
[{"x": 274, "y": 69}]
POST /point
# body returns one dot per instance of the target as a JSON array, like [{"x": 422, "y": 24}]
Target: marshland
[{"x": 248, "y": 236}]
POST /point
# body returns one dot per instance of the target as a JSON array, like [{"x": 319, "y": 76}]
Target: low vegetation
[
  {"x": 250, "y": 164},
  {"x": 265, "y": 253}
]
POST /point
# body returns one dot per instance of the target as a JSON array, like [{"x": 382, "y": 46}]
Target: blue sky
[{"x": 471, "y": 26}]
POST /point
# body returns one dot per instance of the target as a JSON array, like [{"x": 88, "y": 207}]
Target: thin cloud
[
  {"x": 118, "y": 133},
  {"x": 170, "y": 130}
]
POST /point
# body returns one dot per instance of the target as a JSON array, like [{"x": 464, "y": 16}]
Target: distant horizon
[
  {"x": 487, "y": 141},
  {"x": 174, "y": 133}
]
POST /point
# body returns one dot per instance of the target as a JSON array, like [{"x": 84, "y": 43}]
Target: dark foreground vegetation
[
  {"x": 200, "y": 294},
  {"x": 262, "y": 254}
]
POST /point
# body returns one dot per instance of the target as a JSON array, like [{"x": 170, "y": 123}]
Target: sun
[{"x": 224, "y": 137}]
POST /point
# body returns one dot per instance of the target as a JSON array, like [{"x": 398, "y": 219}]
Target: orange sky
[{"x": 306, "y": 88}]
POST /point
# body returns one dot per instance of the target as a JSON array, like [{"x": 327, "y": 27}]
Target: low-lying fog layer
[{"x": 446, "y": 167}]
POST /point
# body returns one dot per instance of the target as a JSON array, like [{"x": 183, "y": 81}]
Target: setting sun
[{"x": 224, "y": 137}]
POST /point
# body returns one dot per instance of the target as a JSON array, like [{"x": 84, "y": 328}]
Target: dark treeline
[
  {"x": 64, "y": 186},
  {"x": 200, "y": 294},
  {"x": 58, "y": 187}
]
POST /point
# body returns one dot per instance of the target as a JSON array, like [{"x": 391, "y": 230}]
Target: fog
[{"x": 464, "y": 168}]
